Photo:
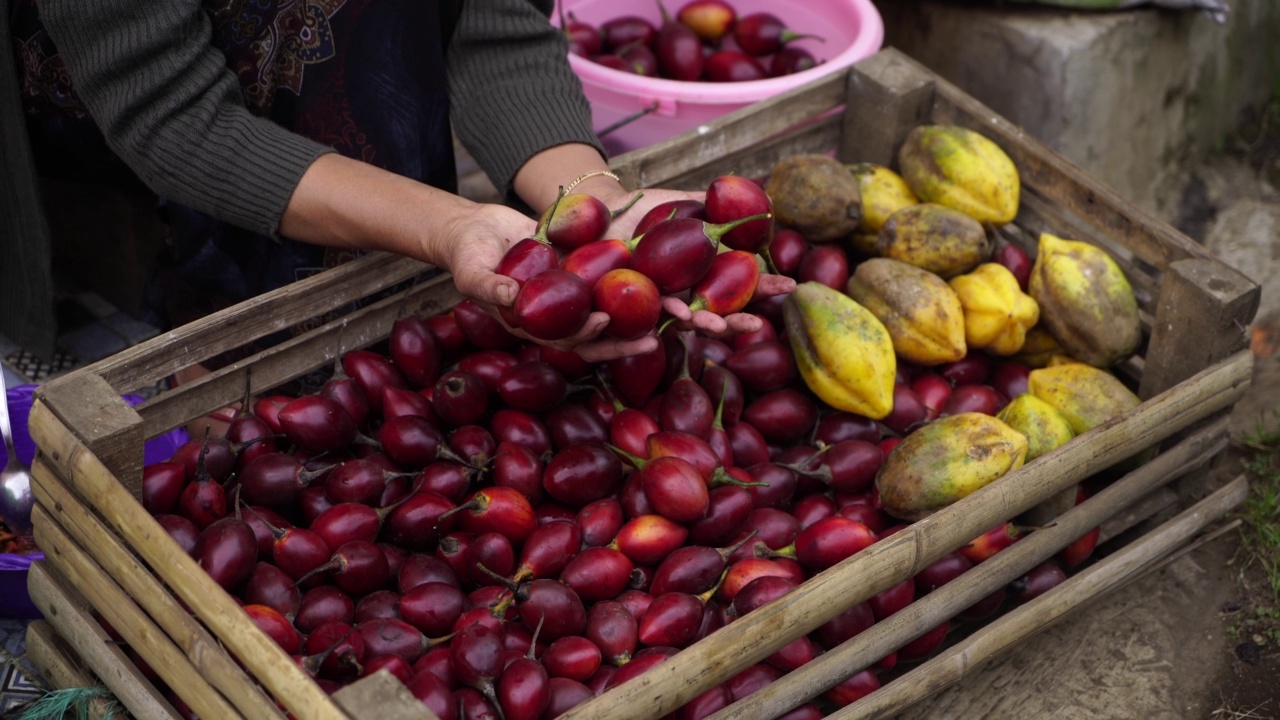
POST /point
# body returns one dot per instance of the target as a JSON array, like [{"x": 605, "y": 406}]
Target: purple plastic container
[{"x": 14, "y": 600}]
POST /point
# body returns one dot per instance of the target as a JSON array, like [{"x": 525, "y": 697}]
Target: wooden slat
[
  {"x": 886, "y": 636},
  {"x": 60, "y": 667},
  {"x": 757, "y": 160},
  {"x": 293, "y": 357},
  {"x": 953, "y": 664},
  {"x": 730, "y": 133},
  {"x": 115, "y": 606},
  {"x": 1204, "y": 311},
  {"x": 381, "y": 697},
  {"x": 103, "y": 421},
  {"x": 203, "y": 651},
  {"x": 722, "y": 654},
  {"x": 161, "y": 356},
  {"x": 91, "y": 481},
  {"x": 67, "y": 612}
]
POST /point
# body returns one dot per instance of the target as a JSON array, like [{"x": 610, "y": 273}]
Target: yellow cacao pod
[
  {"x": 1085, "y": 301},
  {"x": 997, "y": 314},
  {"x": 884, "y": 192},
  {"x": 1039, "y": 348},
  {"x": 945, "y": 460},
  {"x": 1083, "y": 394},
  {"x": 921, "y": 312},
  {"x": 842, "y": 351},
  {"x": 961, "y": 169},
  {"x": 1044, "y": 427},
  {"x": 943, "y": 241}
]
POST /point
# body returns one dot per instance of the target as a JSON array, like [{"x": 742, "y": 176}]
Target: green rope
[{"x": 60, "y": 704}]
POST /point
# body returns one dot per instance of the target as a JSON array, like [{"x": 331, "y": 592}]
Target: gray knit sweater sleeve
[
  {"x": 169, "y": 107},
  {"x": 171, "y": 110},
  {"x": 511, "y": 90}
]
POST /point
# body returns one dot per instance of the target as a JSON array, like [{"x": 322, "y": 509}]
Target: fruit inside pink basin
[
  {"x": 14, "y": 600},
  {"x": 851, "y": 30}
]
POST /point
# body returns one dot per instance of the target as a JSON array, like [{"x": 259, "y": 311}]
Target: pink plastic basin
[{"x": 850, "y": 30}]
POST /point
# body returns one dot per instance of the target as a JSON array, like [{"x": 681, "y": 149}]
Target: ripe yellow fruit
[{"x": 997, "y": 314}]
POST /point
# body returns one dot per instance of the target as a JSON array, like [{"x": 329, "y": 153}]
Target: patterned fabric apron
[{"x": 366, "y": 77}]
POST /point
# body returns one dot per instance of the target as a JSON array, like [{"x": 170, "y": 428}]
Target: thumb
[{"x": 486, "y": 286}]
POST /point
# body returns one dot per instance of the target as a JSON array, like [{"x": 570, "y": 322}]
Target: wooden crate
[{"x": 1193, "y": 367}]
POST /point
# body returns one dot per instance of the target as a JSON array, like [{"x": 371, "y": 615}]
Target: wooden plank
[
  {"x": 950, "y": 666},
  {"x": 295, "y": 356},
  {"x": 754, "y": 637},
  {"x": 758, "y": 160},
  {"x": 88, "y": 406},
  {"x": 887, "y": 97},
  {"x": 381, "y": 696},
  {"x": 1153, "y": 504},
  {"x": 61, "y": 668},
  {"x": 148, "y": 362},
  {"x": 70, "y": 616},
  {"x": 1203, "y": 315},
  {"x": 889, "y": 634},
  {"x": 206, "y": 655},
  {"x": 115, "y": 606},
  {"x": 264, "y": 660},
  {"x": 728, "y": 134}
]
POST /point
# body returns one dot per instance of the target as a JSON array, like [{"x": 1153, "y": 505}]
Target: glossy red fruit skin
[
  {"x": 553, "y": 305},
  {"x": 732, "y": 197},
  {"x": 826, "y": 264},
  {"x": 679, "y": 52},
  {"x": 732, "y": 66},
  {"x": 460, "y": 398},
  {"x": 764, "y": 366},
  {"x": 624, "y": 30},
  {"x": 631, "y": 300},
  {"x": 972, "y": 398},
  {"x": 1016, "y": 260},
  {"x": 1079, "y": 550},
  {"x": 683, "y": 208},
  {"x": 853, "y": 688},
  {"x": 675, "y": 254},
  {"x": 415, "y": 350},
  {"x": 1009, "y": 378},
  {"x": 372, "y": 371},
  {"x": 791, "y": 60},
  {"x": 577, "y": 219},
  {"x": 782, "y": 416},
  {"x": 581, "y": 474},
  {"x": 594, "y": 260}
]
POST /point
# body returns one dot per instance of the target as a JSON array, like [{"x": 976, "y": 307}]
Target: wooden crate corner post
[
  {"x": 888, "y": 95},
  {"x": 1201, "y": 318},
  {"x": 109, "y": 427}
]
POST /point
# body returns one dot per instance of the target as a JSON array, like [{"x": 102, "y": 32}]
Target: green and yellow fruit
[
  {"x": 1039, "y": 348},
  {"x": 816, "y": 195},
  {"x": 842, "y": 351},
  {"x": 997, "y": 314},
  {"x": 884, "y": 192},
  {"x": 1044, "y": 427},
  {"x": 1085, "y": 301},
  {"x": 934, "y": 237},
  {"x": 961, "y": 169},
  {"x": 1083, "y": 394},
  {"x": 945, "y": 460},
  {"x": 921, "y": 312}
]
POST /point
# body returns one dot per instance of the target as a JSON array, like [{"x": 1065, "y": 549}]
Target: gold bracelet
[{"x": 593, "y": 173}]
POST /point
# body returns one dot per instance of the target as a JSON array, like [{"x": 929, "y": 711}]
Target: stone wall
[{"x": 1135, "y": 97}]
